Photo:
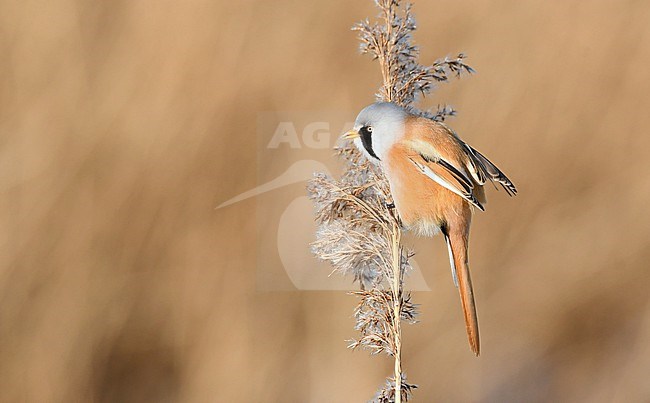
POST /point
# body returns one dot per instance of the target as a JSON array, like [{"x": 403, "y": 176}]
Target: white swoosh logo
[{"x": 300, "y": 171}]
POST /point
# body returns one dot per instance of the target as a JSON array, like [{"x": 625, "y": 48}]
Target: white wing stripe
[
  {"x": 442, "y": 182},
  {"x": 428, "y": 172},
  {"x": 475, "y": 174}
]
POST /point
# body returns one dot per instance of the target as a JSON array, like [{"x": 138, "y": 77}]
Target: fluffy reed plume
[{"x": 359, "y": 233}]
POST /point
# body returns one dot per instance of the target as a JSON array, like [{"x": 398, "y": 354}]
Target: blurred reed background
[{"x": 124, "y": 123}]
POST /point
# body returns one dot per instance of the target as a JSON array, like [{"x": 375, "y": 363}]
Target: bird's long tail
[{"x": 457, "y": 244}]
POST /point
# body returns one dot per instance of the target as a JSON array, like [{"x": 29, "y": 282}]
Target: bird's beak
[{"x": 350, "y": 135}]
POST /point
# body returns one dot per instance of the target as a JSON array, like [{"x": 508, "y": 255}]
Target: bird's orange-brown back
[{"x": 417, "y": 197}]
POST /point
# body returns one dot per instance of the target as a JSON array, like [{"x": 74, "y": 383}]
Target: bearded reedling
[{"x": 435, "y": 179}]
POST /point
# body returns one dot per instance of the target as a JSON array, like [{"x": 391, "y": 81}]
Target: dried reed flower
[
  {"x": 359, "y": 233},
  {"x": 387, "y": 393}
]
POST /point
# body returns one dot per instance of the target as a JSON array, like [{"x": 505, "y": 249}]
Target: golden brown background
[{"x": 124, "y": 123}]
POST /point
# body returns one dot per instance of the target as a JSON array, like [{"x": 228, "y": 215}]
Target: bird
[{"x": 436, "y": 181}]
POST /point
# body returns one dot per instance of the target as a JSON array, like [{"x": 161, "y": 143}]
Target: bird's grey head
[{"x": 377, "y": 128}]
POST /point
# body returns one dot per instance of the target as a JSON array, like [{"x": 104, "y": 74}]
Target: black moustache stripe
[{"x": 366, "y": 140}]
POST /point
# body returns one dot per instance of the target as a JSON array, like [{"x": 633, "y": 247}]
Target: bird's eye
[{"x": 369, "y": 128}]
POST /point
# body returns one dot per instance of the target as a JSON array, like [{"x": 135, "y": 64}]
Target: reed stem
[{"x": 397, "y": 308}]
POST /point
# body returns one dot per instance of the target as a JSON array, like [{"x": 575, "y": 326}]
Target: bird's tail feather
[{"x": 460, "y": 267}]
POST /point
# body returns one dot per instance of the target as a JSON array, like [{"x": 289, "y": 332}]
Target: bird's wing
[
  {"x": 480, "y": 167},
  {"x": 447, "y": 174},
  {"x": 437, "y": 141}
]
